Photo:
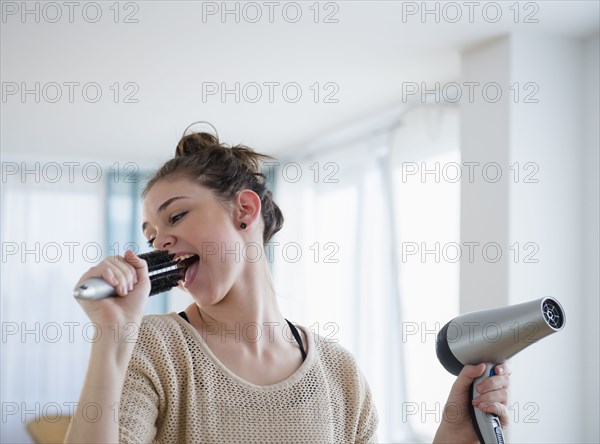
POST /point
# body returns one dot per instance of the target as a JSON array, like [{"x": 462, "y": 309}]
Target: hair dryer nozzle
[
  {"x": 497, "y": 334},
  {"x": 553, "y": 313}
]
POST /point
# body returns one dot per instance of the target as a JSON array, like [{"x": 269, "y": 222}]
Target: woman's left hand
[{"x": 457, "y": 425}]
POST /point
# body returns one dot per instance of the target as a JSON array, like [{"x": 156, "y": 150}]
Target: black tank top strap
[
  {"x": 292, "y": 327},
  {"x": 298, "y": 338}
]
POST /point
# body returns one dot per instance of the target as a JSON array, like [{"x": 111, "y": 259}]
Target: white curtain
[
  {"x": 51, "y": 234},
  {"x": 341, "y": 287},
  {"x": 425, "y": 157}
]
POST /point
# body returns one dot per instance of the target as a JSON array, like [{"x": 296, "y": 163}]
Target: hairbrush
[{"x": 164, "y": 272}]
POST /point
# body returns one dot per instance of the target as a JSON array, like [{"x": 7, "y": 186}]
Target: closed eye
[
  {"x": 172, "y": 220},
  {"x": 177, "y": 217}
]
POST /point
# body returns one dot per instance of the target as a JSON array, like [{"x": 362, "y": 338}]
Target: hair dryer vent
[{"x": 553, "y": 314}]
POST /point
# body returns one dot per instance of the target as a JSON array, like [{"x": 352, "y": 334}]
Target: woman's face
[{"x": 183, "y": 217}]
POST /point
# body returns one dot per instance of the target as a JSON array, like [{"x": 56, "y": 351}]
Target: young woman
[{"x": 230, "y": 368}]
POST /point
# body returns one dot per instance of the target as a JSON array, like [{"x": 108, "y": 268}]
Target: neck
[{"x": 249, "y": 313}]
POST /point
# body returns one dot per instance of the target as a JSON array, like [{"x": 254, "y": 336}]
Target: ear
[{"x": 248, "y": 208}]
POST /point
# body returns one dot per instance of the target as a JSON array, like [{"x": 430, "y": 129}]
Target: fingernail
[
  {"x": 476, "y": 401},
  {"x": 501, "y": 370}
]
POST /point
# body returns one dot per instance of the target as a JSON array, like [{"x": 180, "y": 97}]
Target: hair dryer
[{"x": 493, "y": 336}]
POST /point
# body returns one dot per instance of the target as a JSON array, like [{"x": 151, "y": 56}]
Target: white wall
[
  {"x": 485, "y": 129},
  {"x": 557, "y": 215},
  {"x": 549, "y": 214},
  {"x": 591, "y": 242}
]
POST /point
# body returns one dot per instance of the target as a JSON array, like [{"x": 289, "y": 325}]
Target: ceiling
[{"x": 166, "y": 59}]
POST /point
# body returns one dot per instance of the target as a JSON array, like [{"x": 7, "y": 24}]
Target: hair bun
[{"x": 194, "y": 143}]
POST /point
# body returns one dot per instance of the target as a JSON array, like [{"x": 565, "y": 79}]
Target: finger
[
  {"x": 496, "y": 382},
  {"x": 498, "y": 409},
  {"x": 130, "y": 258},
  {"x": 109, "y": 276},
  {"x": 123, "y": 274},
  {"x": 119, "y": 276},
  {"x": 127, "y": 270},
  {"x": 493, "y": 383},
  {"x": 503, "y": 369},
  {"x": 466, "y": 377},
  {"x": 139, "y": 266},
  {"x": 491, "y": 397}
]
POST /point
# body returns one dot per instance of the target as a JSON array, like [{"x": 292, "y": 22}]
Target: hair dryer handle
[{"x": 487, "y": 425}]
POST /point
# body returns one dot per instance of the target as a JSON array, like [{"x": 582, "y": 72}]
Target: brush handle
[
  {"x": 487, "y": 425},
  {"x": 94, "y": 289},
  {"x": 163, "y": 276}
]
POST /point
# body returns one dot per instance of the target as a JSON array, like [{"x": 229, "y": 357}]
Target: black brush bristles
[
  {"x": 165, "y": 281},
  {"x": 158, "y": 259},
  {"x": 163, "y": 276}
]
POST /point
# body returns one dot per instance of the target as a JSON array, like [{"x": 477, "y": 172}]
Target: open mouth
[{"x": 185, "y": 261}]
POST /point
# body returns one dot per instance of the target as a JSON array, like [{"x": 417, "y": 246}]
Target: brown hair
[{"x": 203, "y": 159}]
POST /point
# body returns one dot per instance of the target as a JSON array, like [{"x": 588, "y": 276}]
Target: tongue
[{"x": 190, "y": 273}]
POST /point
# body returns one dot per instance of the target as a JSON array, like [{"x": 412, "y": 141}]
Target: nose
[{"x": 163, "y": 242}]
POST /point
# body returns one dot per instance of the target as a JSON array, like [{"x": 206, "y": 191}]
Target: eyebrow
[{"x": 164, "y": 206}]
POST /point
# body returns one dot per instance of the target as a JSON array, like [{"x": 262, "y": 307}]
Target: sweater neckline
[{"x": 286, "y": 383}]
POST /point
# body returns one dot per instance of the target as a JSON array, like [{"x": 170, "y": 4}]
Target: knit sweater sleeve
[
  {"x": 368, "y": 417},
  {"x": 359, "y": 408},
  {"x": 139, "y": 404}
]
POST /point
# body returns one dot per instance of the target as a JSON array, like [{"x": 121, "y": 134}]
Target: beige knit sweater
[{"x": 176, "y": 391}]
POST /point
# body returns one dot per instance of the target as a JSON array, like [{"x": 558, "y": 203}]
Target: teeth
[{"x": 181, "y": 258}]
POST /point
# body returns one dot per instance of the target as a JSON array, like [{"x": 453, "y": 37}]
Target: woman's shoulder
[
  {"x": 339, "y": 367},
  {"x": 163, "y": 345},
  {"x": 159, "y": 331},
  {"x": 159, "y": 323},
  {"x": 165, "y": 320},
  {"x": 331, "y": 352}
]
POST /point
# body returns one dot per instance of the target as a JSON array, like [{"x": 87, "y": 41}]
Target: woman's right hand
[
  {"x": 118, "y": 321},
  {"x": 129, "y": 277}
]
